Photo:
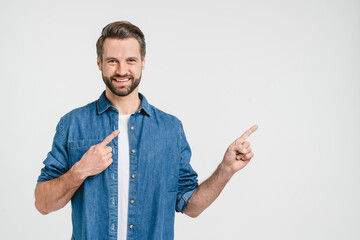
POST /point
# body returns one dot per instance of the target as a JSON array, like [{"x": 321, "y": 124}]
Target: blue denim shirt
[{"x": 161, "y": 179}]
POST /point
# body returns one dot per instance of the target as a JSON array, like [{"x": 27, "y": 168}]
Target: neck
[{"x": 125, "y": 105}]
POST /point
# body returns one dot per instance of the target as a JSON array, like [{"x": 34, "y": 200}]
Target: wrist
[
  {"x": 225, "y": 172},
  {"x": 78, "y": 176}
]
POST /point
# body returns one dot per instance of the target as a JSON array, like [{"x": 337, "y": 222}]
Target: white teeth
[{"x": 123, "y": 80}]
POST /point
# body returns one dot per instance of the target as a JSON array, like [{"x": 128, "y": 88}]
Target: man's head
[
  {"x": 121, "y": 30},
  {"x": 121, "y": 57}
]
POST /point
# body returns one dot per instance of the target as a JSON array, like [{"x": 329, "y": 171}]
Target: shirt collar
[{"x": 103, "y": 104}]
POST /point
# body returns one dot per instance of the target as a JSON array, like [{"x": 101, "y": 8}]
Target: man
[{"x": 124, "y": 164}]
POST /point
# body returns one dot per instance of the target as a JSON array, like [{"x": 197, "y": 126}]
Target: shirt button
[
  {"x": 132, "y": 128},
  {"x": 113, "y": 176},
  {"x": 133, "y": 176},
  {"x": 132, "y": 201},
  {"x": 139, "y": 111},
  {"x": 131, "y": 226},
  {"x": 133, "y": 151},
  {"x": 114, "y": 150},
  {"x": 113, "y": 201},
  {"x": 113, "y": 226}
]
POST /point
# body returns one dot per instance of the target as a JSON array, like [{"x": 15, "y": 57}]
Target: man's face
[{"x": 121, "y": 65}]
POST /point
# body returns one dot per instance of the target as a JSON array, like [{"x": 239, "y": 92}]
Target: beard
[{"x": 121, "y": 91}]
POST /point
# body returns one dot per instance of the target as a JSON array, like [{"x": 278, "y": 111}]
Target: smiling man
[{"x": 124, "y": 164}]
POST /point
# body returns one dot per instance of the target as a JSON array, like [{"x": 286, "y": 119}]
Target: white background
[{"x": 292, "y": 67}]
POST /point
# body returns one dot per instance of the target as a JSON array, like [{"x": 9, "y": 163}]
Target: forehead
[{"x": 121, "y": 47}]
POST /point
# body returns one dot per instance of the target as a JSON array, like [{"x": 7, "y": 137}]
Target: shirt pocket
[{"x": 79, "y": 148}]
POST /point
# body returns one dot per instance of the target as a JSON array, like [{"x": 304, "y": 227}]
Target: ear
[
  {"x": 98, "y": 62},
  {"x": 143, "y": 64}
]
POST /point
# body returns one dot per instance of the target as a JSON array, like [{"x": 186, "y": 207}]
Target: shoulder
[
  {"x": 80, "y": 111},
  {"x": 165, "y": 118},
  {"x": 78, "y": 114},
  {"x": 159, "y": 116}
]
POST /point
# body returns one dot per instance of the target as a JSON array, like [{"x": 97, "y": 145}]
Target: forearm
[
  {"x": 206, "y": 193},
  {"x": 56, "y": 193}
]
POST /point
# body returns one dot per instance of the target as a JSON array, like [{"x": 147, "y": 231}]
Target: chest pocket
[{"x": 78, "y": 148}]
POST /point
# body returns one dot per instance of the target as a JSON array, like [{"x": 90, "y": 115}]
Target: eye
[
  {"x": 112, "y": 61},
  {"x": 131, "y": 60}
]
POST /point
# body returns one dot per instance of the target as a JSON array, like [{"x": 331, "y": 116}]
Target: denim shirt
[{"x": 161, "y": 178}]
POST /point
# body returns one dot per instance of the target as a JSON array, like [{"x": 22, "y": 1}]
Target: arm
[
  {"x": 56, "y": 193},
  {"x": 236, "y": 157},
  {"x": 206, "y": 193}
]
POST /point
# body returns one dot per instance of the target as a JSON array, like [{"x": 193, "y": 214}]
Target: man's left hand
[{"x": 239, "y": 153}]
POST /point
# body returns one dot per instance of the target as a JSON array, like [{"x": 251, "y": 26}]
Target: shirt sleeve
[
  {"x": 56, "y": 162},
  {"x": 188, "y": 181}
]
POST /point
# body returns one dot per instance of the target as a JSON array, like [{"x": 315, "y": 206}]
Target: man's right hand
[
  {"x": 56, "y": 193},
  {"x": 96, "y": 159}
]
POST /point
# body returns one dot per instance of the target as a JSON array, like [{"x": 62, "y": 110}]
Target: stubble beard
[{"x": 121, "y": 91}]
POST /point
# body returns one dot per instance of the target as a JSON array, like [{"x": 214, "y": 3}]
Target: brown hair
[{"x": 121, "y": 30}]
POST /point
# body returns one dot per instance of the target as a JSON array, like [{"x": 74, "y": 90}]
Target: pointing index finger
[
  {"x": 248, "y": 132},
  {"x": 109, "y": 138}
]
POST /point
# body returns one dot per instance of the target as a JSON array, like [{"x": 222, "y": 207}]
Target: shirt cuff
[{"x": 181, "y": 204}]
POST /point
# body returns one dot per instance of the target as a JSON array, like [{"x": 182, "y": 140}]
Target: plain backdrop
[{"x": 292, "y": 67}]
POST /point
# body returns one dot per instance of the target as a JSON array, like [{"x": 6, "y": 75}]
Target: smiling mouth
[{"x": 121, "y": 80}]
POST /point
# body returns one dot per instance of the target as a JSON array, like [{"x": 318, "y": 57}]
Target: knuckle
[{"x": 249, "y": 156}]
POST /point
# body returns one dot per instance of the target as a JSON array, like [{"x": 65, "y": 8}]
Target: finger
[
  {"x": 243, "y": 151},
  {"x": 108, "y": 156},
  {"x": 109, "y": 161},
  {"x": 109, "y": 138},
  {"x": 248, "y": 156},
  {"x": 248, "y": 133},
  {"x": 239, "y": 149},
  {"x": 246, "y": 144},
  {"x": 108, "y": 149}
]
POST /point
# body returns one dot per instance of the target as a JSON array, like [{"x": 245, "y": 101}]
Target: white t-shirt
[{"x": 123, "y": 175}]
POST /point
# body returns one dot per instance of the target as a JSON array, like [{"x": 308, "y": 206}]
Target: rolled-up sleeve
[
  {"x": 56, "y": 162},
  {"x": 187, "y": 176}
]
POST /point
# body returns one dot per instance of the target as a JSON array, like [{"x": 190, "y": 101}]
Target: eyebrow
[
  {"x": 110, "y": 58},
  {"x": 136, "y": 58}
]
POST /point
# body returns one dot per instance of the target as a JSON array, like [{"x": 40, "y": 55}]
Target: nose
[{"x": 122, "y": 69}]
